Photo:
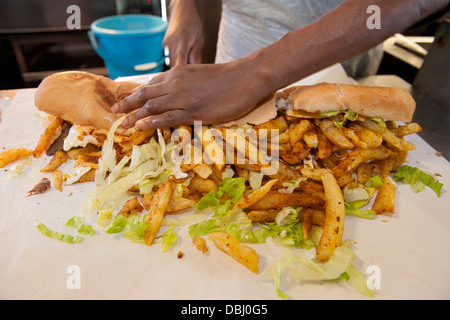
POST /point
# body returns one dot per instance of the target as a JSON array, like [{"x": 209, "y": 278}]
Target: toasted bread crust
[
  {"x": 82, "y": 98},
  {"x": 389, "y": 103}
]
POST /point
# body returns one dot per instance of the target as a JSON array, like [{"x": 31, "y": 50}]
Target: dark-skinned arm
[{"x": 217, "y": 93}]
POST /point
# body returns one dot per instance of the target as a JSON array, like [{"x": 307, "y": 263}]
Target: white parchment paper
[{"x": 409, "y": 248}]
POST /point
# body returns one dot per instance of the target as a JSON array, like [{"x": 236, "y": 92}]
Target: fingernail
[
  {"x": 125, "y": 122},
  {"x": 115, "y": 107}
]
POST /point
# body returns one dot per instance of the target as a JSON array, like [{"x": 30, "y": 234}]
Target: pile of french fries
[{"x": 329, "y": 154}]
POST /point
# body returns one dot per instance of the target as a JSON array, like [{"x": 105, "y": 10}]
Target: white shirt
[{"x": 248, "y": 25}]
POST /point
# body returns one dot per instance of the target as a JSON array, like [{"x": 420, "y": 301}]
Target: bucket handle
[{"x": 140, "y": 67}]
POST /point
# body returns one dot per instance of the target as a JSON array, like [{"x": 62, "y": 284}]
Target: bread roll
[
  {"x": 389, "y": 103},
  {"x": 83, "y": 98}
]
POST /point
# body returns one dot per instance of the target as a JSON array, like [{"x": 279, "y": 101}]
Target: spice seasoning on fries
[{"x": 292, "y": 179}]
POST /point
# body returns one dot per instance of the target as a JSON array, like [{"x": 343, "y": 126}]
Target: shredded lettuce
[
  {"x": 132, "y": 227},
  {"x": 417, "y": 179},
  {"x": 255, "y": 179},
  {"x": 338, "y": 267},
  {"x": 18, "y": 167},
  {"x": 380, "y": 122},
  {"x": 356, "y": 280},
  {"x": 374, "y": 181},
  {"x": 356, "y": 198},
  {"x": 290, "y": 186},
  {"x": 233, "y": 187},
  {"x": 76, "y": 223},
  {"x": 57, "y": 235},
  {"x": 328, "y": 114},
  {"x": 234, "y": 222},
  {"x": 349, "y": 115},
  {"x": 354, "y": 209},
  {"x": 168, "y": 239},
  {"x": 148, "y": 165}
]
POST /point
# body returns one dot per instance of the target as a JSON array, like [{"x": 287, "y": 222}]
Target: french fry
[
  {"x": 203, "y": 170},
  {"x": 57, "y": 160},
  {"x": 278, "y": 123},
  {"x": 156, "y": 212},
  {"x": 262, "y": 216},
  {"x": 364, "y": 172},
  {"x": 317, "y": 216},
  {"x": 333, "y": 227},
  {"x": 355, "y": 158},
  {"x": 200, "y": 244},
  {"x": 140, "y": 136},
  {"x": 12, "y": 155},
  {"x": 201, "y": 185},
  {"x": 311, "y": 139},
  {"x": 334, "y": 134},
  {"x": 407, "y": 129},
  {"x": 256, "y": 195},
  {"x": 237, "y": 250},
  {"x": 307, "y": 222},
  {"x": 132, "y": 205},
  {"x": 387, "y": 134},
  {"x": 87, "y": 177},
  {"x": 385, "y": 198},
  {"x": 297, "y": 133},
  {"x": 74, "y": 154},
  {"x": 179, "y": 203},
  {"x": 57, "y": 180},
  {"x": 212, "y": 148},
  {"x": 314, "y": 174},
  {"x": 47, "y": 136},
  {"x": 370, "y": 138},
  {"x": 354, "y": 138},
  {"x": 147, "y": 200},
  {"x": 325, "y": 147},
  {"x": 277, "y": 200}
]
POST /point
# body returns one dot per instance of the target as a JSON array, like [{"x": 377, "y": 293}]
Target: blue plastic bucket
[{"x": 129, "y": 44}]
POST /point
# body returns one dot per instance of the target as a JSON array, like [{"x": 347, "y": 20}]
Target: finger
[
  {"x": 195, "y": 56},
  {"x": 150, "y": 108},
  {"x": 168, "y": 119},
  {"x": 139, "y": 98},
  {"x": 180, "y": 56}
]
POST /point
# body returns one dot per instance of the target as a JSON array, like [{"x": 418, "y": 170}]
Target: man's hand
[
  {"x": 184, "y": 36},
  {"x": 212, "y": 93}
]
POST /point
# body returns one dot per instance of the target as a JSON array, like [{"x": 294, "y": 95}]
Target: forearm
[{"x": 338, "y": 36}]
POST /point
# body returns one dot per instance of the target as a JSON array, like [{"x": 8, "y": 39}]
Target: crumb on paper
[
  {"x": 42, "y": 187},
  {"x": 200, "y": 244},
  {"x": 439, "y": 154},
  {"x": 180, "y": 255}
]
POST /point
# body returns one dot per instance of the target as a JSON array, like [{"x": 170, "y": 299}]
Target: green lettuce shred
[
  {"x": 350, "y": 116},
  {"x": 354, "y": 209},
  {"x": 168, "y": 239},
  {"x": 338, "y": 268},
  {"x": 418, "y": 179},
  {"x": 132, "y": 227},
  {"x": 76, "y": 223},
  {"x": 57, "y": 235},
  {"x": 374, "y": 182},
  {"x": 380, "y": 122}
]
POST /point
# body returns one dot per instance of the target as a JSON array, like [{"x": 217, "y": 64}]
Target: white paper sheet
[{"x": 409, "y": 248}]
